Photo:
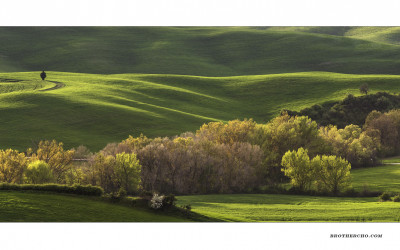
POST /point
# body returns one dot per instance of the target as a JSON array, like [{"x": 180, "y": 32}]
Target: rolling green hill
[
  {"x": 47, "y": 207},
  {"x": 163, "y": 81},
  {"x": 205, "y": 51},
  {"x": 93, "y": 110}
]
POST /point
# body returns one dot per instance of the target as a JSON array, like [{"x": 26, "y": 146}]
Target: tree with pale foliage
[
  {"x": 332, "y": 173},
  {"x": 127, "y": 171},
  {"x": 227, "y": 133},
  {"x": 352, "y": 144},
  {"x": 285, "y": 133},
  {"x": 296, "y": 166},
  {"x": 54, "y": 154},
  {"x": 102, "y": 172},
  {"x": 12, "y": 166}
]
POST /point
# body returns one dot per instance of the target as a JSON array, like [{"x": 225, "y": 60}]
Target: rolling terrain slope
[
  {"x": 204, "y": 51},
  {"x": 93, "y": 109},
  {"x": 48, "y": 207}
]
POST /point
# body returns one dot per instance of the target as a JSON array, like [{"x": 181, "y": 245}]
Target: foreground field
[
  {"x": 45, "y": 207},
  {"x": 94, "y": 110},
  {"x": 273, "y": 207}
]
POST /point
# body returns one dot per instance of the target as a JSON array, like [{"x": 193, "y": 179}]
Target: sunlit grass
[
  {"x": 94, "y": 110},
  {"x": 380, "y": 178},
  {"x": 394, "y": 159},
  {"x": 274, "y": 207}
]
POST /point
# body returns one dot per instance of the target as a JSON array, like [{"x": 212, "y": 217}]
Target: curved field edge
[
  {"x": 291, "y": 208},
  {"x": 17, "y": 206},
  {"x": 94, "y": 110}
]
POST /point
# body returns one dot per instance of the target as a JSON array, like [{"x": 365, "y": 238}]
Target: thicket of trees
[
  {"x": 237, "y": 156},
  {"x": 324, "y": 173},
  {"x": 351, "y": 110},
  {"x": 386, "y": 128}
]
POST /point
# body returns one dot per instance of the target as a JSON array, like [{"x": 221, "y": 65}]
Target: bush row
[{"x": 74, "y": 189}]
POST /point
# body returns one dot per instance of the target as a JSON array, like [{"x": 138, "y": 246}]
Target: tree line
[{"x": 232, "y": 157}]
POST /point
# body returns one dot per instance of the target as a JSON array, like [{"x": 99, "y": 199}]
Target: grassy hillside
[
  {"x": 205, "y": 51},
  {"x": 381, "y": 178},
  {"x": 93, "y": 110},
  {"x": 273, "y": 207},
  {"x": 377, "y": 34},
  {"x": 45, "y": 207}
]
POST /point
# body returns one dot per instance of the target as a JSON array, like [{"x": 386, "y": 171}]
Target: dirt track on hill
[{"x": 58, "y": 85}]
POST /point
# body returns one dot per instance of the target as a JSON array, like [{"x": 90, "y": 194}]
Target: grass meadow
[
  {"x": 380, "y": 178},
  {"x": 291, "y": 208}
]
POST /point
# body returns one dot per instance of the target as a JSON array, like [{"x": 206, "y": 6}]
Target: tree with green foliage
[
  {"x": 364, "y": 88},
  {"x": 332, "y": 173},
  {"x": 386, "y": 127},
  {"x": 296, "y": 166},
  {"x": 127, "y": 171},
  {"x": 54, "y": 154},
  {"x": 103, "y": 175},
  {"x": 12, "y": 166},
  {"x": 352, "y": 144},
  {"x": 38, "y": 172},
  {"x": 285, "y": 133},
  {"x": 227, "y": 133}
]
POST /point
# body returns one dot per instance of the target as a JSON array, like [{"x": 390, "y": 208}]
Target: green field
[
  {"x": 278, "y": 207},
  {"x": 93, "y": 110},
  {"x": 274, "y": 207},
  {"x": 380, "y": 178},
  {"x": 46, "y": 207},
  {"x": 394, "y": 159}
]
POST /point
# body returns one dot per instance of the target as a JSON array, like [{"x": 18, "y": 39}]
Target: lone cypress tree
[{"x": 43, "y": 75}]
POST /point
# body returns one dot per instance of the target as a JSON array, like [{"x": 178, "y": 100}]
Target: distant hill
[{"x": 202, "y": 51}]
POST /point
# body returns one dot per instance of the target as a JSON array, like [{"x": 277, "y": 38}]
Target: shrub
[
  {"x": 121, "y": 192},
  {"x": 364, "y": 88},
  {"x": 396, "y": 198},
  {"x": 385, "y": 196},
  {"x": 187, "y": 207},
  {"x": 169, "y": 201},
  {"x": 156, "y": 201},
  {"x": 38, "y": 172}
]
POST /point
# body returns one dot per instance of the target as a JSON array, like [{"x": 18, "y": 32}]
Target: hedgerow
[{"x": 74, "y": 189}]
